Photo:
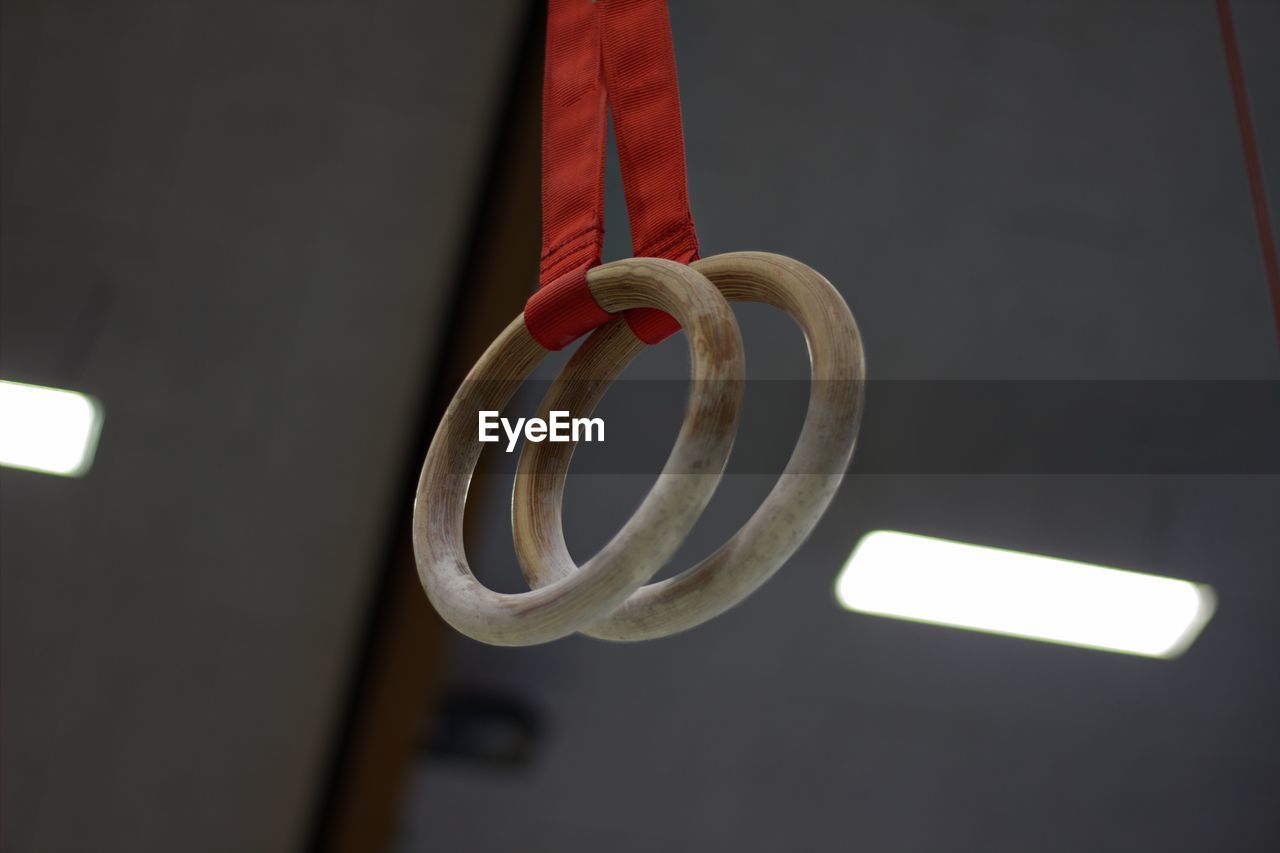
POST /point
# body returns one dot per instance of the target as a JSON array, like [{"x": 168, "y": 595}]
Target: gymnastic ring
[
  {"x": 665, "y": 516},
  {"x": 789, "y": 513}
]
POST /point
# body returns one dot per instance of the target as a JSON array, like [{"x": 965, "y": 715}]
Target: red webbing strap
[
  {"x": 622, "y": 50},
  {"x": 640, "y": 75},
  {"x": 1252, "y": 161},
  {"x": 573, "y": 138}
]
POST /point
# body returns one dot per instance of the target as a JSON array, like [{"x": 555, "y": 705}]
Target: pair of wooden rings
[{"x": 607, "y": 597}]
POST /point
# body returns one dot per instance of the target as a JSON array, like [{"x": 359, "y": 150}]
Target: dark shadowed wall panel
[{"x": 236, "y": 224}]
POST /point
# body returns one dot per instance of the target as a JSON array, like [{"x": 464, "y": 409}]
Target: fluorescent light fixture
[
  {"x": 1022, "y": 595},
  {"x": 47, "y": 429}
]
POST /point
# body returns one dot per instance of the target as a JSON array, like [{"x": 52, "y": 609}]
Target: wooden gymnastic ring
[
  {"x": 789, "y": 513},
  {"x": 667, "y": 513}
]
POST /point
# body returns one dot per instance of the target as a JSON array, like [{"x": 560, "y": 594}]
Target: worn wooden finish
[
  {"x": 667, "y": 513},
  {"x": 791, "y": 509}
]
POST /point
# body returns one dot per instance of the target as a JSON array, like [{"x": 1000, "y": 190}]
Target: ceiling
[
  {"x": 240, "y": 226},
  {"x": 1027, "y": 191}
]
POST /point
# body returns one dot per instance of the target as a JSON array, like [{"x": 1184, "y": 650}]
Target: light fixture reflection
[
  {"x": 47, "y": 429},
  {"x": 923, "y": 579}
]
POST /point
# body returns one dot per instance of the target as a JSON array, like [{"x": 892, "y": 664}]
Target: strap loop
[
  {"x": 561, "y": 312},
  {"x": 602, "y": 54}
]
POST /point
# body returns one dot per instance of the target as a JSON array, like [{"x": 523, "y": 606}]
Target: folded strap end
[{"x": 560, "y": 312}]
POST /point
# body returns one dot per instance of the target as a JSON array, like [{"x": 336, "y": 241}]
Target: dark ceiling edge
[{"x": 333, "y": 789}]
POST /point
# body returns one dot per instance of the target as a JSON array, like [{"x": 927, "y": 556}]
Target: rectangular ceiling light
[
  {"x": 47, "y": 429},
  {"x": 1022, "y": 595}
]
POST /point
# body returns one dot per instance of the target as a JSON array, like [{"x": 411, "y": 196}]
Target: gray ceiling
[
  {"x": 1030, "y": 190},
  {"x": 238, "y": 225}
]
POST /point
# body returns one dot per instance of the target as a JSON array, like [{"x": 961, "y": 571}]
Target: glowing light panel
[
  {"x": 47, "y": 429},
  {"x": 906, "y": 576}
]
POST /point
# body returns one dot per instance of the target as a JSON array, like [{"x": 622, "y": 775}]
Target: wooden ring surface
[
  {"x": 789, "y": 513},
  {"x": 667, "y": 513}
]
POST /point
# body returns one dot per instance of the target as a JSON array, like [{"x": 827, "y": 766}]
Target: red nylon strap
[
  {"x": 1252, "y": 160},
  {"x": 620, "y": 50}
]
